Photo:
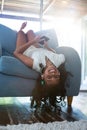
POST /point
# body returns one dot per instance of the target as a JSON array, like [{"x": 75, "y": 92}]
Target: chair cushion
[
  {"x": 7, "y": 38},
  {"x": 12, "y": 66},
  {"x": 0, "y": 50}
]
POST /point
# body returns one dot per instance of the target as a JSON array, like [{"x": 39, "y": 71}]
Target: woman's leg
[
  {"x": 30, "y": 35},
  {"x": 21, "y": 46},
  {"x": 21, "y": 39}
]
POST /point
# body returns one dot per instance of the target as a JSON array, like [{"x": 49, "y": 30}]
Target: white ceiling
[{"x": 53, "y": 8}]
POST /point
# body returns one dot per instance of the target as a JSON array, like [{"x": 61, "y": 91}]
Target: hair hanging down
[{"x": 41, "y": 92}]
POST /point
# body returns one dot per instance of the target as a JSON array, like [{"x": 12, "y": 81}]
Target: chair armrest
[{"x": 72, "y": 65}]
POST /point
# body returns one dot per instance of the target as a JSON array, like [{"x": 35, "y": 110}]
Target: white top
[{"x": 39, "y": 54}]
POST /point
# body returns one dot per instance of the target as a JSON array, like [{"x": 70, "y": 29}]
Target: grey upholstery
[{"x": 73, "y": 65}]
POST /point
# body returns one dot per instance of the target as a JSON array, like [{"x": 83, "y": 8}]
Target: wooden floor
[{"x": 17, "y": 110}]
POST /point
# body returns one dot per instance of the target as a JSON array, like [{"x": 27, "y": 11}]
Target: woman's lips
[{"x": 52, "y": 70}]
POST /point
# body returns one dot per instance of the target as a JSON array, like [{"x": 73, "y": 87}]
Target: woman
[{"x": 43, "y": 60}]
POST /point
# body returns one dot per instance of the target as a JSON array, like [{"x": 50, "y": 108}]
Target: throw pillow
[{"x": 51, "y": 34}]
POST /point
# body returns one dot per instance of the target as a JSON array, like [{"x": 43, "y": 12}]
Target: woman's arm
[
  {"x": 48, "y": 48},
  {"x": 23, "y": 47},
  {"x": 18, "y": 53},
  {"x": 26, "y": 60}
]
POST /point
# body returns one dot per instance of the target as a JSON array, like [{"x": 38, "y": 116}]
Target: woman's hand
[
  {"x": 46, "y": 44},
  {"x": 23, "y": 25},
  {"x": 47, "y": 47},
  {"x": 36, "y": 39}
]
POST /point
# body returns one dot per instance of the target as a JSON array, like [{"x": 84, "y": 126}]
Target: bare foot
[{"x": 23, "y": 25}]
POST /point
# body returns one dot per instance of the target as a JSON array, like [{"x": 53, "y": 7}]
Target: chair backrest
[{"x": 7, "y": 39}]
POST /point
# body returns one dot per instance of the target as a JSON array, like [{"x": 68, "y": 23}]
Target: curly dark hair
[{"x": 44, "y": 92}]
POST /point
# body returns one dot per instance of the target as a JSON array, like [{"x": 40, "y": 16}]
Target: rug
[{"x": 64, "y": 125}]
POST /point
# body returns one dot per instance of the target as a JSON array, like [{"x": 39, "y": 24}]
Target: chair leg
[{"x": 69, "y": 100}]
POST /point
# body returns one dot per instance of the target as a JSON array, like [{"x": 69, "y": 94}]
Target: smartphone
[{"x": 42, "y": 39}]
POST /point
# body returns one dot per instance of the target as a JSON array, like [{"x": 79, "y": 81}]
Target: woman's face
[{"x": 51, "y": 75}]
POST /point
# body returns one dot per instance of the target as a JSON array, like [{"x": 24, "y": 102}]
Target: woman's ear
[
  {"x": 42, "y": 76},
  {"x": 42, "y": 80}
]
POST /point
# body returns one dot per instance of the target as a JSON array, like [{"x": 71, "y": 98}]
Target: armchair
[{"x": 16, "y": 79}]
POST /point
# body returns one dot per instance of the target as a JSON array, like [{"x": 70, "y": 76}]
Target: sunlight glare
[{"x": 68, "y": 32}]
